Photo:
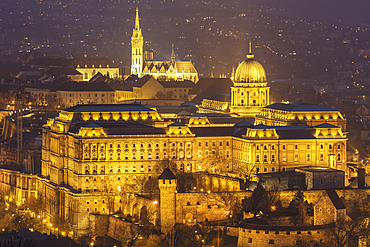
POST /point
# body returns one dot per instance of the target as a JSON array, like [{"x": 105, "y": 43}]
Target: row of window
[
  {"x": 308, "y": 147},
  {"x": 149, "y": 145},
  {"x": 296, "y": 157},
  {"x": 141, "y": 156}
]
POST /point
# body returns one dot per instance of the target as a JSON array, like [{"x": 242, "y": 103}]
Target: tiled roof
[
  {"x": 167, "y": 174},
  {"x": 89, "y": 62},
  {"x": 85, "y": 86},
  {"x": 177, "y": 84},
  {"x": 108, "y": 108},
  {"x": 337, "y": 202},
  {"x": 208, "y": 87},
  {"x": 299, "y": 107}
]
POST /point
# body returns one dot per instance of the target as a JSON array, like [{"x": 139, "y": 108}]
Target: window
[
  {"x": 271, "y": 241},
  {"x": 110, "y": 156},
  {"x": 283, "y": 157},
  {"x": 273, "y": 169},
  {"x": 227, "y": 154},
  {"x": 321, "y": 146},
  {"x": 308, "y": 146},
  {"x": 141, "y": 145},
  {"x": 206, "y": 153},
  {"x": 199, "y": 154},
  {"x": 118, "y": 145},
  {"x": 265, "y": 169},
  {"x": 165, "y": 144},
  {"x": 249, "y": 240},
  {"x": 308, "y": 157},
  {"x": 141, "y": 156},
  {"x": 257, "y": 170},
  {"x": 149, "y": 155},
  {"x": 134, "y": 145},
  {"x": 296, "y": 157},
  {"x": 257, "y": 147},
  {"x": 273, "y": 158},
  {"x": 227, "y": 144},
  {"x": 273, "y": 147},
  {"x": 149, "y": 145},
  {"x": 173, "y": 155},
  {"x": 257, "y": 158},
  {"x": 206, "y": 144},
  {"x": 213, "y": 144},
  {"x": 199, "y": 144},
  {"x": 330, "y": 146},
  {"x": 173, "y": 144},
  {"x": 321, "y": 157},
  {"x": 338, "y": 157},
  {"x": 134, "y": 156},
  {"x": 165, "y": 155},
  {"x": 338, "y": 146},
  {"x": 118, "y": 156},
  {"x": 296, "y": 146},
  {"x": 265, "y": 158},
  {"x": 110, "y": 145},
  {"x": 284, "y": 147},
  {"x": 220, "y": 144},
  {"x": 157, "y": 155}
]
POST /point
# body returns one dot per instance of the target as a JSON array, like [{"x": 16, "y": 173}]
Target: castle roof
[{"x": 167, "y": 174}]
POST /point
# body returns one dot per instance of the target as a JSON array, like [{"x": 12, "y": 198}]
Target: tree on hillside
[{"x": 261, "y": 200}]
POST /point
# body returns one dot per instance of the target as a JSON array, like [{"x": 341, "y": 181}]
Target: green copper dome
[{"x": 250, "y": 71}]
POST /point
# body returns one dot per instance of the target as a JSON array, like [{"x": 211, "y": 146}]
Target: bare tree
[{"x": 109, "y": 193}]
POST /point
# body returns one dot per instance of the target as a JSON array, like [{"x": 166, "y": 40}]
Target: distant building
[{"x": 160, "y": 70}]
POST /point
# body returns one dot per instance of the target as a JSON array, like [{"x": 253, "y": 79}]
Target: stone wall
[{"x": 278, "y": 237}]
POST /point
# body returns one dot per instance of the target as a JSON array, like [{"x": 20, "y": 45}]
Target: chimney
[{"x": 361, "y": 178}]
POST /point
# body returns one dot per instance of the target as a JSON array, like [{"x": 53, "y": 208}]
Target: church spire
[
  {"x": 137, "y": 24},
  {"x": 250, "y": 55},
  {"x": 173, "y": 55}
]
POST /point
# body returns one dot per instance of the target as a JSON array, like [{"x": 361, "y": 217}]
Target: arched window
[
  {"x": 338, "y": 157},
  {"x": 258, "y": 147},
  {"x": 273, "y": 158},
  {"x": 257, "y": 158},
  {"x": 118, "y": 156},
  {"x": 149, "y": 155},
  {"x": 134, "y": 155},
  {"x": 110, "y": 156},
  {"x": 308, "y": 157},
  {"x": 265, "y": 147},
  {"x": 265, "y": 158},
  {"x": 321, "y": 157}
]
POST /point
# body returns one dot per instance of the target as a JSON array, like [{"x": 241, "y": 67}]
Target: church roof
[
  {"x": 167, "y": 174},
  {"x": 181, "y": 66}
]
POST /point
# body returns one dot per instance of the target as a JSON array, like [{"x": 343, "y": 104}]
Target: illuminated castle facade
[
  {"x": 249, "y": 92},
  {"x": 160, "y": 70}
]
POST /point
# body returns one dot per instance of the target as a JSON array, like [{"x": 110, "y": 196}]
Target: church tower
[
  {"x": 249, "y": 92},
  {"x": 137, "y": 47},
  {"x": 167, "y": 182}
]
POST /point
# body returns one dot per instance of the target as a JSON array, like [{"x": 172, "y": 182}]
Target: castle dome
[{"x": 250, "y": 71}]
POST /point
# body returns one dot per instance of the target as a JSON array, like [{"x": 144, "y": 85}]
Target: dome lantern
[{"x": 250, "y": 71}]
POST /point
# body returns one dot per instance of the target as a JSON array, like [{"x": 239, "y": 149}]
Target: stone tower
[
  {"x": 167, "y": 186},
  {"x": 137, "y": 47}
]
